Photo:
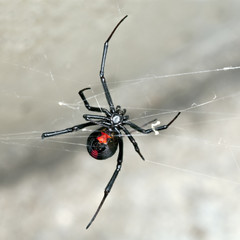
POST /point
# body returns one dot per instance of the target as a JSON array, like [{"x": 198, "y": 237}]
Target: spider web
[{"x": 65, "y": 142}]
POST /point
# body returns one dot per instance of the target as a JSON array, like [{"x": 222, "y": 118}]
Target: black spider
[{"x": 103, "y": 142}]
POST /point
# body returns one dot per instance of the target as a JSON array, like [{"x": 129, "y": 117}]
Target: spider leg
[
  {"x": 90, "y": 108},
  {"x": 111, "y": 182},
  {"x": 132, "y": 141},
  {"x": 103, "y": 121},
  {"x": 167, "y": 125},
  {"x": 101, "y": 74},
  {"x": 89, "y": 117},
  {"x": 145, "y": 124},
  {"x": 67, "y": 130},
  {"x": 146, "y": 131}
]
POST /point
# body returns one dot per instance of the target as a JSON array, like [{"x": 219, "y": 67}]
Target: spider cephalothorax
[{"x": 103, "y": 143}]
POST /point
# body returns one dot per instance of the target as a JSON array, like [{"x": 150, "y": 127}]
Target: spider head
[{"x": 120, "y": 111}]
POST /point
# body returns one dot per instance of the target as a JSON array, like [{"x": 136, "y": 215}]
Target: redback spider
[{"x": 103, "y": 143}]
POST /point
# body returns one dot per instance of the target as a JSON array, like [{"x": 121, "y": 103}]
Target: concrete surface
[{"x": 188, "y": 187}]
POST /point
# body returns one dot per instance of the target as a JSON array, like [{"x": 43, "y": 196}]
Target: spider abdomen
[{"x": 102, "y": 144}]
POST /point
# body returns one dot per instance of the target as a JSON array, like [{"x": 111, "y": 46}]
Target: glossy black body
[{"x": 102, "y": 150}]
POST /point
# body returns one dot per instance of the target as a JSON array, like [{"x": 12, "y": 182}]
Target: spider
[{"x": 103, "y": 143}]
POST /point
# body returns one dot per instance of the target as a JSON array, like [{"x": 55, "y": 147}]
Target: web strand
[{"x": 32, "y": 138}]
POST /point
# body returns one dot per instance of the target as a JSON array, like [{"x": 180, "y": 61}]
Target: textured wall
[{"x": 188, "y": 187}]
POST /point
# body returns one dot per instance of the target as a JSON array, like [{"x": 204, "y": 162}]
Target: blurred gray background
[{"x": 188, "y": 187}]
